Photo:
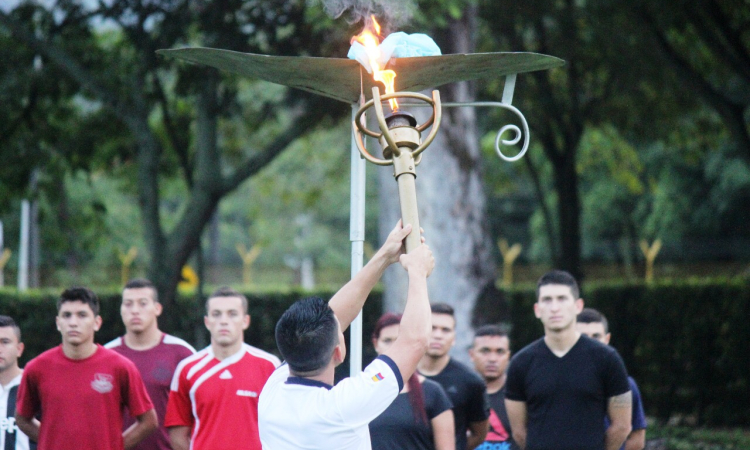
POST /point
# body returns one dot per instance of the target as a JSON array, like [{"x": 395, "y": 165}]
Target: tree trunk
[
  {"x": 569, "y": 214},
  {"x": 452, "y": 206},
  {"x": 172, "y": 252}
]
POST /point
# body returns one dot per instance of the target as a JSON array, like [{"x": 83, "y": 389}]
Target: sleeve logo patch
[{"x": 377, "y": 377}]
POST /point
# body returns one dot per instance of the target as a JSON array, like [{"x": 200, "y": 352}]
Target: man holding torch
[{"x": 299, "y": 407}]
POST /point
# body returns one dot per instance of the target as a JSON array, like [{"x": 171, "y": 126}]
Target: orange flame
[{"x": 371, "y": 41}]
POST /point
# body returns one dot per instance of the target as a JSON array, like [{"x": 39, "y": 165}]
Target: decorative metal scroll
[{"x": 518, "y": 133}]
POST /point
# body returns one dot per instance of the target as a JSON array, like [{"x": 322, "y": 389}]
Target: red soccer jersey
[
  {"x": 156, "y": 365},
  {"x": 219, "y": 399},
  {"x": 81, "y": 400}
]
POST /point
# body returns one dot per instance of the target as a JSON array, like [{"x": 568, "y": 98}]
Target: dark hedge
[
  {"x": 686, "y": 343},
  {"x": 35, "y": 313}
]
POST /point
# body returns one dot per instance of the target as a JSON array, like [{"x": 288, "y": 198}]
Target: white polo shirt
[{"x": 301, "y": 414}]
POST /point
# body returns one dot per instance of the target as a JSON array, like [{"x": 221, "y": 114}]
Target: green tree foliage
[
  {"x": 171, "y": 112},
  {"x": 707, "y": 44}
]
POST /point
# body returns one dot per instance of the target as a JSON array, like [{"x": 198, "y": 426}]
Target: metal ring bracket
[{"x": 376, "y": 102}]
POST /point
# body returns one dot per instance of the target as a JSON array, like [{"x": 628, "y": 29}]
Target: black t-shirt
[
  {"x": 499, "y": 436},
  {"x": 468, "y": 395},
  {"x": 397, "y": 427},
  {"x": 566, "y": 398}
]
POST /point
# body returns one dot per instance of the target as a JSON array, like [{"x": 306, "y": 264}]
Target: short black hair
[
  {"x": 140, "y": 283},
  {"x": 226, "y": 291},
  {"x": 306, "y": 335},
  {"x": 559, "y": 277},
  {"x": 8, "y": 322},
  {"x": 490, "y": 330},
  {"x": 79, "y": 294},
  {"x": 443, "y": 308},
  {"x": 590, "y": 315}
]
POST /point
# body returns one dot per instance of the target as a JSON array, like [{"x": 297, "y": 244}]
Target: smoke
[{"x": 390, "y": 13}]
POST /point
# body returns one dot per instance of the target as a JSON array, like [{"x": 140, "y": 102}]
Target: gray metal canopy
[{"x": 340, "y": 79}]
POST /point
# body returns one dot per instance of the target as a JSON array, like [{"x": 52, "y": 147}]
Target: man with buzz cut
[
  {"x": 471, "y": 408},
  {"x": 80, "y": 388},
  {"x": 155, "y": 353},
  {"x": 490, "y": 353},
  {"x": 593, "y": 324},
  {"x": 561, "y": 387},
  {"x": 213, "y": 403},
  {"x": 11, "y": 348},
  {"x": 300, "y": 408}
]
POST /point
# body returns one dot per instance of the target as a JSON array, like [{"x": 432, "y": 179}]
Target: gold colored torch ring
[
  {"x": 402, "y": 148},
  {"x": 376, "y": 101}
]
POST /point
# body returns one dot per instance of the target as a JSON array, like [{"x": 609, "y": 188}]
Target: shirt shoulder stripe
[
  {"x": 178, "y": 370},
  {"x": 113, "y": 343},
  {"x": 262, "y": 354},
  {"x": 174, "y": 340}
]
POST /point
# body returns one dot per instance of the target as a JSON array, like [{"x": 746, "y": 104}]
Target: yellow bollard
[
  {"x": 4, "y": 257},
  {"x": 509, "y": 257},
  {"x": 126, "y": 260},
  {"x": 248, "y": 258},
  {"x": 650, "y": 254}
]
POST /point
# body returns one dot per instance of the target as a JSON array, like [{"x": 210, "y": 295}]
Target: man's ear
[
  {"x": 246, "y": 321},
  {"x": 97, "y": 323},
  {"x": 337, "y": 355},
  {"x": 159, "y": 308},
  {"x": 536, "y": 310},
  {"x": 579, "y": 306},
  {"x": 20, "y": 349},
  {"x": 607, "y": 337}
]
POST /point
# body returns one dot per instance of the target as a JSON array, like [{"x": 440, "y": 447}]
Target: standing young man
[
  {"x": 593, "y": 324},
  {"x": 11, "y": 348},
  {"x": 561, "y": 387},
  {"x": 154, "y": 353},
  {"x": 466, "y": 390},
  {"x": 300, "y": 409},
  {"x": 81, "y": 387},
  {"x": 213, "y": 403},
  {"x": 490, "y": 353}
]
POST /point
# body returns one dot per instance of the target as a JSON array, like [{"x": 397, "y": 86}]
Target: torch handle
[{"x": 407, "y": 195}]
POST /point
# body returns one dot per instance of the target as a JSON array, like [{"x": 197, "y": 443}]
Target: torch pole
[
  {"x": 357, "y": 238},
  {"x": 403, "y": 166}
]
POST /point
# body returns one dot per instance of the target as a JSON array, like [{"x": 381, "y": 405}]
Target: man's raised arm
[
  {"x": 348, "y": 301},
  {"x": 416, "y": 323}
]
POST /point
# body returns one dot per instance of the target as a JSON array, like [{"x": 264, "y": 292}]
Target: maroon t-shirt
[
  {"x": 81, "y": 401},
  {"x": 156, "y": 366}
]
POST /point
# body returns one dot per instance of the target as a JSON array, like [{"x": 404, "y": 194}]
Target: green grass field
[{"x": 662, "y": 437}]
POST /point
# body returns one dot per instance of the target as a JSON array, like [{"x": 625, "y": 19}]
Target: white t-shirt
[{"x": 301, "y": 414}]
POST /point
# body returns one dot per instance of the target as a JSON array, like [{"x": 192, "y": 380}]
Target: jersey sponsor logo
[
  {"x": 102, "y": 383},
  {"x": 243, "y": 393},
  {"x": 493, "y": 446},
  {"x": 378, "y": 377},
  {"x": 226, "y": 375},
  {"x": 8, "y": 424},
  {"x": 497, "y": 432}
]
